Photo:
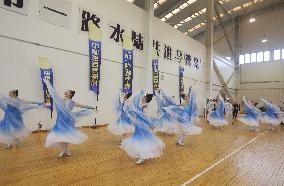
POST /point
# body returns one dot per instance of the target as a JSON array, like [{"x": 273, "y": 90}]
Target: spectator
[{"x": 236, "y": 108}]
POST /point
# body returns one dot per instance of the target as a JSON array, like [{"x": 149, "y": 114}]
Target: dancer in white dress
[
  {"x": 143, "y": 143},
  {"x": 216, "y": 118},
  {"x": 12, "y": 128},
  {"x": 252, "y": 116},
  {"x": 64, "y": 130},
  {"x": 229, "y": 111}
]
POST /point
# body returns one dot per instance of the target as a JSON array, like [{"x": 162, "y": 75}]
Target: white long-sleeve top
[
  {"x": 210, "y": 106},
  {"x": 228, "y": 108}
]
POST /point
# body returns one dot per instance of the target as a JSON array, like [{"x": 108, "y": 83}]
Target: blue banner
[
  {"x": 155, "y": 69},
  {"x": 181, "y": 83},
  {"x": 127, "y": 71},
  {"x": 95, "y": 57},
  {"x": 48, "y": 75}
]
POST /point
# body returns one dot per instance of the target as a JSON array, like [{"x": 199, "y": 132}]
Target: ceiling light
[
  {"x": 169, "y": 15},
  {"x": 252, "y": 19},
  {"x": 264, "y": 40},
  {"x": 191, "y": 1},
  {"x": 183, "y": 6},
  {"x": 176, "y": 11}
]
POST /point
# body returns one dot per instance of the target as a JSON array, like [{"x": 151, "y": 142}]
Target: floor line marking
[{"x": 220, "y": 161}]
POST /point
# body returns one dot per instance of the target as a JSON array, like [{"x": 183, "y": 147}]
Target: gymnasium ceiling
[{"x": 189, "y": 16}]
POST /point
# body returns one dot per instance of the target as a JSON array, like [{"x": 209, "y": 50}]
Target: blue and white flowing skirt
[
  {"x": 64, "y": 130},
  {"x": 121, "y": 126},
  {"x": 182, "y": 123},
  {"x": 216, "y": 119},
  {"x": 281, "y": 117},
  {"x": 250, "y": 121},
  {"x": 271, "y": 119},
  {"x": 143, "y": 144},
  {"x": 12, "y": 128},
  {"x": 164, "y": 122}
]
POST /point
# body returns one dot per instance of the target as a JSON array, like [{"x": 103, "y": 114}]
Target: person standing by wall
[
  {"x": 235, "y": 110},
  {"x": 209, "y": 107},
  {"x": 229, "y": 111}
]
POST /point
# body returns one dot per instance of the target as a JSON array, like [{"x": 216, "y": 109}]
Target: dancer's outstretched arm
[
  {"x": 31, "y": 102},
  {"x": 84, "y": 106}
]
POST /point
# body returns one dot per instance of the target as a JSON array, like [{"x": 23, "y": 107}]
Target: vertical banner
[
  {"x": 155, "y": 70},
  {"x": 46, "y": 73},
  {"x": 95, "y": 56},
  {"x": 181, "y": 83},
  {"x": 127, "y": 59}
]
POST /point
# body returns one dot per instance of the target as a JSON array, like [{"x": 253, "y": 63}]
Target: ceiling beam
[
  {"x": 140, "y": 3},
  {"x": 224, "y": 9},
  {"x": 258, "y": 12},
  {"x": 220, "y": 38},
  {"x": 223, "y": 27},
  {"x": 186, "y": 26},
  {"x": 168, "y": 7},
  {"x": 188, "y": 11}
]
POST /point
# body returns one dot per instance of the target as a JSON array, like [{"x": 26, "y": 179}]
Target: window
[
  {"x": 253, "y": 57},
  {"x": 242, "y": 59},
  {"x": 266, "y": 56},
  {"x": 260, "y": 57},
  {"x": 247, "y": 58},
  {"x": 277, "y": 54}
]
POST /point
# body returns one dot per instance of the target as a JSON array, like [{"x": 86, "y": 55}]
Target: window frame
[
  {"x": 265, "y": 59},
  {"x": 257, "y": 57}
]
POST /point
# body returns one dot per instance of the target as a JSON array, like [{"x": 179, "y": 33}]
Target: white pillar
[
  {"x": 237, "y": 54},
  {"x": 149, "y": 7},
  {"x": 209, "y": 44}
]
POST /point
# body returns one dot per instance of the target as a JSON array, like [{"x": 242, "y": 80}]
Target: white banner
[
  {"x": 56, "y": 12},
  {"x": 18, "y": 6}
]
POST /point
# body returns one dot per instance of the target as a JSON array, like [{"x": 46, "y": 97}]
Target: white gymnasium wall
[
  {"x": 25, "y": 38},
  {"x": 263, "y": 80},
  {"x": 251, "y": 34}
]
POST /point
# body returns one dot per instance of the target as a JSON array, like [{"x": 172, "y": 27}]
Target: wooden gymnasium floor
[{"x": 233, "y": 156}]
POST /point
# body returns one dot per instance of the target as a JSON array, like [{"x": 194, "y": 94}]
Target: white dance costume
[
  {"x": 217, "y": 117},
  {"x": 270, "y": 114},
  {"x": 123, "y": 124},
  {"x": 164, "y": 120},
  {"x": 181, "y": 118},
  {"x": 252, "y": 115},
  {"x": 143, "y": 143},
  {"x": 12, "y": 128},
  {"x": 229, "y": 112},
  {"x": 64, "y": 129}
]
